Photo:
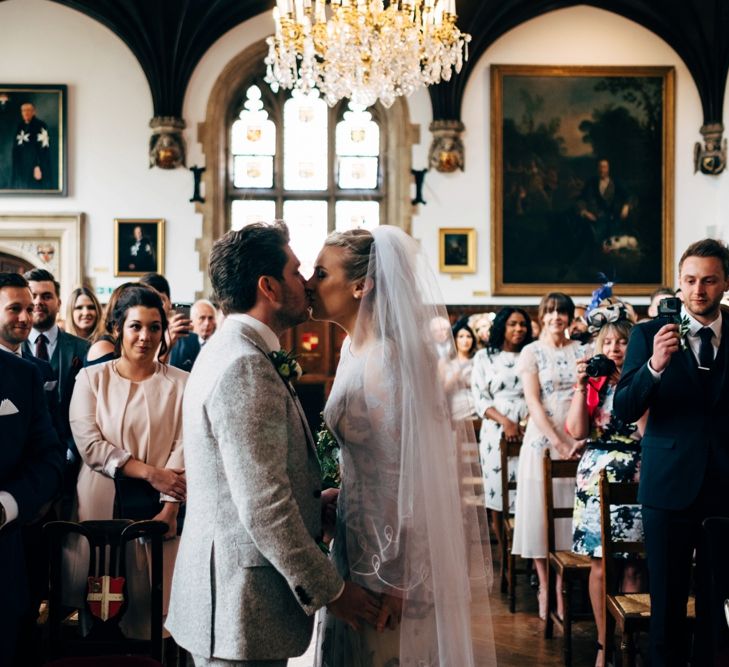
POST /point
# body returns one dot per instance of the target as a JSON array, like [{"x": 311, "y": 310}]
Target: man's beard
[{"x": 44, "y": 322}]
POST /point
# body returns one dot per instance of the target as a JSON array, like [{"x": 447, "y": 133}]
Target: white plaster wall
[
  {"x": 110, "y": 106},
  {"x": 575, "y": 36}
]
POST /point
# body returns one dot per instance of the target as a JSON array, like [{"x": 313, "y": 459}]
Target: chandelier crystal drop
[{"x": 364, "y": 50}]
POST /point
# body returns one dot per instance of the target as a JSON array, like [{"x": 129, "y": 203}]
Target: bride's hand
[{"x": 390, "y": 612}]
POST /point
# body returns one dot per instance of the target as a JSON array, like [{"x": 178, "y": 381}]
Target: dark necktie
[
  {"x": 41, "y": 347},
  {"x": 706, "y": 351}
]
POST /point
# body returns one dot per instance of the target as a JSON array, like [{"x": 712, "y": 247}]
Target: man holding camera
[{"x": 677, "y": 368}]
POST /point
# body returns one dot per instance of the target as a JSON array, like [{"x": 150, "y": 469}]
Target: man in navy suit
[
  {"x": 66, "y": 354},
  {"x": 16, "y": 322},
  {"x": 680, "y": 375},
  {"x": 31, "y": 473}
]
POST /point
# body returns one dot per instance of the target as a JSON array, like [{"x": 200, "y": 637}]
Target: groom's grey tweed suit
[{"x": 249, "y": 575}]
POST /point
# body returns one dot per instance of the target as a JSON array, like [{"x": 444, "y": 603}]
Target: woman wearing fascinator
[
  {"x": 403, "y": 529},
  {"x": 609, "y": 445}
]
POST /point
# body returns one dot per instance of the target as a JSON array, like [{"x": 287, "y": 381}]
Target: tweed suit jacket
[{"x": 249, "y": 575}]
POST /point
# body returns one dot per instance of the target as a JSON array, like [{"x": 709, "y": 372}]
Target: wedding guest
[
  {"x": 126, "y": 417},
  {"x": 204, "y": 323},
  {"x": 678, "y": 371},
  {"x": 66, "y": 353},
  {"x": 178, "y": 324},
  {"x": 610, "y": 445},
  {"x": 83, "y": 314},
  {"x": 440, "y": 329},
  {"x": 481, "y": 325},
  {"x": 104, "y": 344},
  {"x": 498, "y": 396},
  {"x": 456, "y": 372},
  {"x": 548, "y": 369}
]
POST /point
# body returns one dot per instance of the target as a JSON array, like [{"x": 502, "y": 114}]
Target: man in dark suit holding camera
[{"x": 680, "y": 374}]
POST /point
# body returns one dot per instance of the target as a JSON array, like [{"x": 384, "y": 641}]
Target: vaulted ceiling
[{"x": 169, "y": 37}]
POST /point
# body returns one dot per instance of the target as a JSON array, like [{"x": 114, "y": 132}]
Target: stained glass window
[{"x": 319, "y": 169}]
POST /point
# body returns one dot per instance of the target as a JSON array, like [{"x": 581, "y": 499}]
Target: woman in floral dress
[
  {"x": 498, "y": 397},
  {"x": 548, "y": 370},
  {"x": 610, "y": 445}
]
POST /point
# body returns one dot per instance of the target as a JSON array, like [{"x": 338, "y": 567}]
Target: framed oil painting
[
  {"x": 457, "y": 250},
  {"x": 582, "y": 178},
  {"x": 139, "y": 246},
  {"x": 32, "y": 139}
]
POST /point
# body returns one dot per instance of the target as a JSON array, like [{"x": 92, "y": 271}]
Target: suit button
[{"x": 317, "y": 493}]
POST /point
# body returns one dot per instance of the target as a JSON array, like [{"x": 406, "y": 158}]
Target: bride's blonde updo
[{"x": 357, "y": 243}]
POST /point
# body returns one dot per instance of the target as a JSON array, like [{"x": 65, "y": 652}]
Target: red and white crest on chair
[{"x": 105, "y": 596}]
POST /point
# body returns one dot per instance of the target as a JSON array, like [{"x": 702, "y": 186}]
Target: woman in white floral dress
[
  {"x": 548, "y": 369},
  {"x": 498, "y": 397}
]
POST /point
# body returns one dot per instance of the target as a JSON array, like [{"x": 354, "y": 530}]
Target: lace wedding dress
[{"x": 404, "y": 524}]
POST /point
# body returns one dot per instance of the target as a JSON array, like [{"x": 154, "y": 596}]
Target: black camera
[
  {"x": 670, "y": 308},
  {"x": 600, "y": 366}
]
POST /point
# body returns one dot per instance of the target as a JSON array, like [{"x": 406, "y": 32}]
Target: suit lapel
[
  {"x": 692, "y": 368},
  {"x": 255, "y": 340},
  {"x": 722, "y": 360}
]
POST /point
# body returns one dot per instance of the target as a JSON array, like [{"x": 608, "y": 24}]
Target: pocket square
[
  {"x": 50, "y": 385},
  {"x": 7, "y": 407}
]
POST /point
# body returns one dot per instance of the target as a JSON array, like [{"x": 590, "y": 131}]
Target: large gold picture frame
[
  {"x": 582, "y": 173},
  {"x": 139, "y": 246}
]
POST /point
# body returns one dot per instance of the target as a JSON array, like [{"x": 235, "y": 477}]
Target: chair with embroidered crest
[{"x": 106, "y": 599}]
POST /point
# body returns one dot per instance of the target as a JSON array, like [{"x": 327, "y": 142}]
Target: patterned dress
[
  {"x": 495, "y": 383},
  {"x": 556, "y": 368},
  {"x": 623, "y": 465}
]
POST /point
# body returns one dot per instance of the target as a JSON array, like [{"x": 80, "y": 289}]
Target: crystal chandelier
[{"x": 366, "y": 50}]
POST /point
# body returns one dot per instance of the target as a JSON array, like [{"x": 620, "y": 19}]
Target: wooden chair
[
  {"x": 630, "y": 612},
  {"x": 107, "y": 555},
  {"x": 508, "y": 560},
  {"x": 571, "y": 566}
]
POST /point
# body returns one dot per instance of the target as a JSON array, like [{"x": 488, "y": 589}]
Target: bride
[{"x": 403, "y": 529}]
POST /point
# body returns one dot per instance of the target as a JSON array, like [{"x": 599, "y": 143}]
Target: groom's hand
[{"x": 355, "y": 605}]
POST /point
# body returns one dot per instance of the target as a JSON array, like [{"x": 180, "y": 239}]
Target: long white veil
[{"x": 411, "y": 524}]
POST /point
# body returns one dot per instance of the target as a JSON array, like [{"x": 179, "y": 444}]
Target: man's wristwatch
[{"x": 3, "y": 515}]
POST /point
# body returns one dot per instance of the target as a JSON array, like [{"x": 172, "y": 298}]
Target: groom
[{"x": 249, "y": 574}]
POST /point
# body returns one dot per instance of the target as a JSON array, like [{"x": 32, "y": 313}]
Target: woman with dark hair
[
  {"x": 103, "y": 344},
  {"x": 83, "y": 314},
  {"x": 548, "y": 370},
  {"x": 610, "y": 445},
  {"x": 456, "y": 371},
  {"x": 498, "y": 397},
  {"x": 126, "y": 418}
]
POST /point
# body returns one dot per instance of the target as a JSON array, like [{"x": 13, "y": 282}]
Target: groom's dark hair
[{"x": 240, "y": 258}]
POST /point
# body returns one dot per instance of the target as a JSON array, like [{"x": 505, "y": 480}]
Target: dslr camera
[
  {"x": 600, "y": 366},
  {"x": 670, "y": 308}
]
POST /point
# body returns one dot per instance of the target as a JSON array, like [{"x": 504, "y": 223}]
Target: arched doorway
[{"x": 12, "y": 264}]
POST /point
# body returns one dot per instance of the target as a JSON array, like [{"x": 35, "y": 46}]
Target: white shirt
[
  {"x": 693, "y": 339},
  {"x": 17, "y": 352},
  {"x": 51, "y": 335},
  {"x": 263, "y": 330}
]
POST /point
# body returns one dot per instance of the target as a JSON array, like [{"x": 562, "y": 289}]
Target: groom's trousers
[{"x": 217, "y": 662}]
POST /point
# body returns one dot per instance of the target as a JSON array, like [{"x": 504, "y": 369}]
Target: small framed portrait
[
  {"x": 139, "y": 246},
  {"x": 457, "y": 250},
  {"x": 32, "y": 139}
]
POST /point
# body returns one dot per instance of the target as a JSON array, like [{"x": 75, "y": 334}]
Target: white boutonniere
[
  {"x": 286, "y": 365},
  {"x": 684, "y": 326}
]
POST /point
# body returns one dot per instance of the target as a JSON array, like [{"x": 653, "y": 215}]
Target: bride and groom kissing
[{"x": 408, "y": 565}]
